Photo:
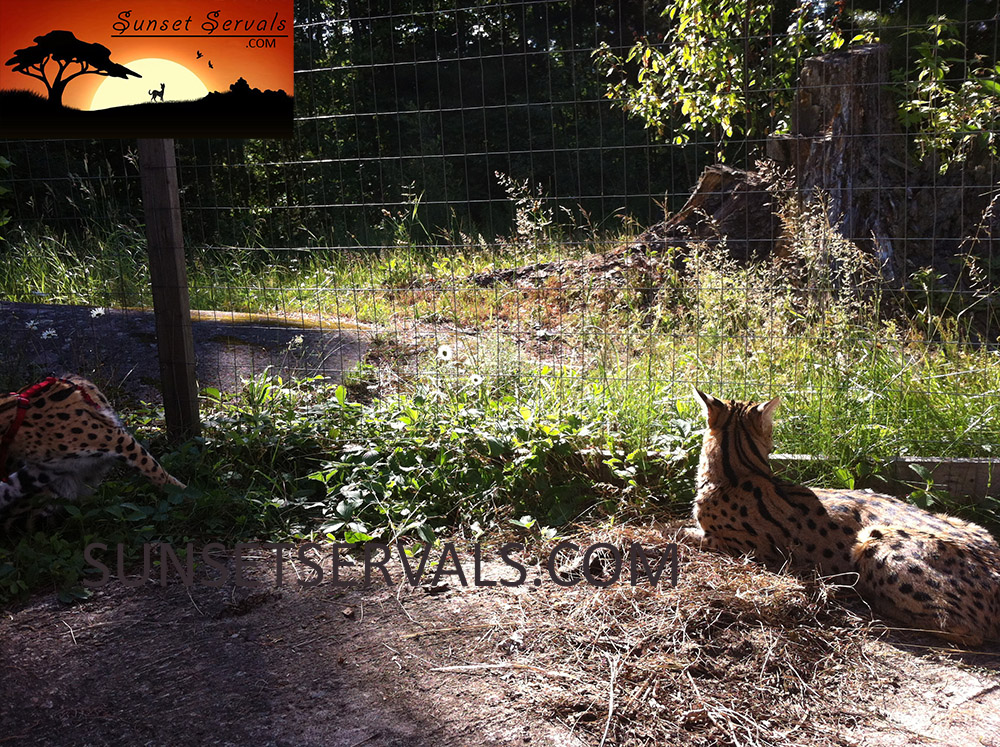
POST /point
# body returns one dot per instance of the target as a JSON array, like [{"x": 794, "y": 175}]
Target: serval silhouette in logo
[{"x": 154, "y": 94}]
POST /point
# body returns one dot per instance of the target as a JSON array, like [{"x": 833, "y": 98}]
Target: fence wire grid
[{"x": 584, "y": 207}]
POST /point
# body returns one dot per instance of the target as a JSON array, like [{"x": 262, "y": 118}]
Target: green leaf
[
  {"x": 426, "y": 533},
  {"x": 991, "y": 86},
  {"x": 525, "y": 521},
  {"x": 496, "y": 446},
  {"x": 845, "y": 477},
  {"x": 923, "y": 472},
  {"x": 74, "y": 594},
  {"x": 352, "y": 537}
]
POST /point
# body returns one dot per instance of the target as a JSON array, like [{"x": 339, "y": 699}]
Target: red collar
[{"x": 23, "y": 403}]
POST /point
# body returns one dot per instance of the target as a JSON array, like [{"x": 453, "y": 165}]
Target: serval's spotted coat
[
  {"x": 64, "y": 440},
  {"x": 926, "y": 570}
]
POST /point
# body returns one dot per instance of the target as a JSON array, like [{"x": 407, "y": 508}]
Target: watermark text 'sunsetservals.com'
[{"x": 601, "y": 564}]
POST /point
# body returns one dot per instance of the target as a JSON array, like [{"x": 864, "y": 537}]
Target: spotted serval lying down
[
  {"x": 928, "y": 571},
  {"x": 61, "y": 436}
]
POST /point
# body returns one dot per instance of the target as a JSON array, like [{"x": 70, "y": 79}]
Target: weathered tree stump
[
  {"x": 846, "y": 146},
  {"x": 846, "y": 153},
  {"x": 728, "y": 205},
  {"x": 844, "y": 149}
]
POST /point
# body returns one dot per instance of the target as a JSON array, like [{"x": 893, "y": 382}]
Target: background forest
[{"x": 605, "y": 107}]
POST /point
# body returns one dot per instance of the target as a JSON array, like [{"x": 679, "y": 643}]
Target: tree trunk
[
  {"x": 845, "y": 145},
  {"x": 844, "y": 148},
  {"x": 56, "y": 90},
  {"x": 729, "y": 206}
]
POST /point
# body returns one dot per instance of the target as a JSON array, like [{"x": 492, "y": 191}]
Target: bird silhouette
[
  {"x": 210, "y": 64},
  {"x": 200, "y": 55}
]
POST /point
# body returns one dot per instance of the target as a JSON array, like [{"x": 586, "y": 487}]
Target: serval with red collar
[{"x": 61, "y": 436}]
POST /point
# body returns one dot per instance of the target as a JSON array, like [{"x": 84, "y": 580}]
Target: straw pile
[{"x": 733, "y": 655}]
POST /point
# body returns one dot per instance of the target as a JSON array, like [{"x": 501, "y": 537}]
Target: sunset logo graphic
[{"x": 145, "y": 69}]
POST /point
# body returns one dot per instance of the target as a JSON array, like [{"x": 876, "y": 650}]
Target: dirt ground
[
  {"x": 269, "y": 666},
  {"x": 427, "y": 665}
]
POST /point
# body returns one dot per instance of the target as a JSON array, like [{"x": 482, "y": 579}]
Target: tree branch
[
  {"x": 62, "y": 67},
  {"x": 41, "y": 73},
  {"x": 40, "y": 77},
  {"x": 82, "y": 71}
]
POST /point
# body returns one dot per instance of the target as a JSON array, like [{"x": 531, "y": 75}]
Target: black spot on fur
[{"x": 63, "y": 394}]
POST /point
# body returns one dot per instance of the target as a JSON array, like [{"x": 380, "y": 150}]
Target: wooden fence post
[{"x": 168, "y": 273}]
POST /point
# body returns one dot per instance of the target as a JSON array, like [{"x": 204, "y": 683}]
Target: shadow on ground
[
  {"x": 118, "y": 347},
  {"x": 270, "y": 666}
]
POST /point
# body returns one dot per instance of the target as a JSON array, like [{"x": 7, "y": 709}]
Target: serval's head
[{"x": 737, "y": 431}]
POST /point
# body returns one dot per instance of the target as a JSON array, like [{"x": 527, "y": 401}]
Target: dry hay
[{"x": 734, "y": 655}]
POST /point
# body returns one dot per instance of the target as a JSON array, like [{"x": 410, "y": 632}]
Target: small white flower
[
  {"x": 98, "y": 311},
  {"x": 31, "y": 324},
  {"x": 445, "y": 353},
  {"x": 50, "y": 332},
  {"x": 476, "y": 380}
]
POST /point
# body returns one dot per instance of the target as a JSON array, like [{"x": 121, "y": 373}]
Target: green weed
[{"x": 541, "y": 401}]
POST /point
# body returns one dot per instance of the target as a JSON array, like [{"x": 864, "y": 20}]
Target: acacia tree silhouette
[{"x": 63, "y": 48}]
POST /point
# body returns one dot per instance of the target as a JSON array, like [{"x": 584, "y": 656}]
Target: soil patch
[
  {"x": 270, "y": 666},
  {"x": 732, "y": 655}
]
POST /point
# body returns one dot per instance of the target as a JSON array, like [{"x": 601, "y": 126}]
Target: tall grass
[
  {"x": 570, "y": 361},
  {"x": 864, "y": 377}
]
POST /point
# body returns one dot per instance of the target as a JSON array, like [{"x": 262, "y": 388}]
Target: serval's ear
[
  {"x": 767, "y": 409},
  {"x": 711, "y": 406}
]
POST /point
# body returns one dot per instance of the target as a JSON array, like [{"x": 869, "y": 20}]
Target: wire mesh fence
[{"x": 582, "y": 208}]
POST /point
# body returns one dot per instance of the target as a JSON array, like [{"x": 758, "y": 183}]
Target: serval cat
[
  {"x": 62, "y": 436},
  {"x": 929, "y": 571}
]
